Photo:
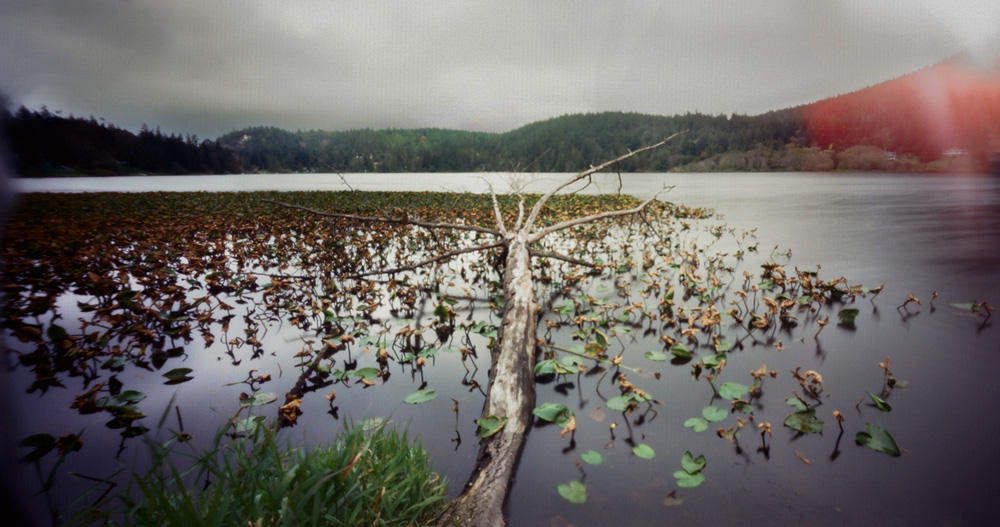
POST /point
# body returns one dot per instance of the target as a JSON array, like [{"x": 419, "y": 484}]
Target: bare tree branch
[
  {"x": 541, "y": 202},
  {"x": 570, "y": 259},
  {"x": 520, "y": 211},
  {"x": 538, "y": 235},
  {"x": 496, "y": 208},
  {"x": 435, "y": 259},
  {"x": 401, "y": 221}
]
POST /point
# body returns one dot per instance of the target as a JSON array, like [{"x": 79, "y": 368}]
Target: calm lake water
[{"x": 917, "y": 233}]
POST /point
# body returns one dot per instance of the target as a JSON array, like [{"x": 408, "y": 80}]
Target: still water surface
[{"x": 918, "y": 233}]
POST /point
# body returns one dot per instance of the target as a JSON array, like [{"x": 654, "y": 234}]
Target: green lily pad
[
  {"x": 372, "y": 423},
  {"x": 794, "y": 402},
  {"x": 880, "y": 403},
  {"x": 573, "y": 492},
  {"x": 41, "y": 443},
  {"x": 249, "y": 425},
  {"x": 847, "y": 316},
  {"x": 657, "y": 356},
  {"x": 593, "y": 457},
  {"x": 714, "y": 414},
  {"x": 689, "y": 480},
  {"x": 178, "y": 375},
  {"x": 878, "y": 439},
  {"x": 698, "y": 424},
  {"x": 713, "y": 361},
  {"x": 366, "y": 373},
  {"x": 554, "y": 413},
  {"x": 804, "y": 421},
  {"x": 733, "y": 390},
  {"x": 681, "y": 352},
  {"x": 420, "y": 396},
  {"x": 618, "y": 403},
  {"x": 259, "y": 399},
  {"x": 490, "y": 425},
  {"x": 691, "y": 464},
  {"x": 644, "y": 451},
  {"x": 723, "y": 346}
]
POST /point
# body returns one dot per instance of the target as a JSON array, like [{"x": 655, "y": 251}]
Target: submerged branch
[
  {"x": 570, "y": 259},
  {"x": 400, "y": 221},
  {"x": 538, "y": 235},
  {"x": 435, "y": 259}
]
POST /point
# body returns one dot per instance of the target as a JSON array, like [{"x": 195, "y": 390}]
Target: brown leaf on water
[
  {"x": 69, "y": 442},
  {"x": 570, "y": 426},
  {"x": 598, "y": 414},
  {"x": 289, "y": 413},
  {"x": 672, "y": 500},
  {"x": 803, "y": 458}
]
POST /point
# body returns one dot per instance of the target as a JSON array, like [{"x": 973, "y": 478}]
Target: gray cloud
[{"x": 209, "y": 67}]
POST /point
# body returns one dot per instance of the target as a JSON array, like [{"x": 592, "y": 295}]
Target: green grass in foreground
[{"x": 365, "y": 478}]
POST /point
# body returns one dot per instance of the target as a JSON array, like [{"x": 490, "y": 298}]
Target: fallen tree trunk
[{"x": 511, "y": 395}]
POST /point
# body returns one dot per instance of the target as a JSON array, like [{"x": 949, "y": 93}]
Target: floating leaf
[
  {"x": 714, "y": 414},
  {"x": 130, "y": 397},
  {"x": 723, "y": 346},
  {"x": 644, "y": 451},
  {"x": 689, "y": 480},
  {"x": 804, "y": 421},
  {"x": 796, "y": 403},
  {"x": 42, "y": 444},
  {"x": 657, "y": 356},
  {"x": 259, "y": 399},
  {"x": 618, "y": 403},
  {"x": 713, "y": 361},
  {"x": 372, "y": 423},
  {"x": 602, "y": 339},
  {"x": 573, "y": 492},
  {"x": 57, "y": 333},
  {"x": 420, "y": 396},
  {"x": 178, "y": 375},
  {"x": 593, "y": 457},
  {"x": 554, "y": 412},
  {"x": 366, "y": 374},
  {"x": 970, "y": 306},
  {"x": 880, "y": 403},
  {"x": 249, "y": 425},
  {"x": 733, "y": 390},
  {"x": 691, "y": 464},
  {"x": 698, "y": 424},
  {"x": 681, "y": 352},
  {"x": 878, "y": 439},
  {"x": 490, "y": 425},
  {"x": 847, "y": 316}
]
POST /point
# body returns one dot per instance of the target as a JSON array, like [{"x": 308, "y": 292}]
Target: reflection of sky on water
[{"x": 916, "y": 232}]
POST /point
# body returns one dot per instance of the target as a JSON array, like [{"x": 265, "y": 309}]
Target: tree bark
[{"x": 511, "y": 394}]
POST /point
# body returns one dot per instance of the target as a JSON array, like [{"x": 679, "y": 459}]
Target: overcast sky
[{"x": 211, "y": 66}]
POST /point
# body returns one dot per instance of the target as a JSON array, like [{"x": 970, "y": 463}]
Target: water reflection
[{"x": 918, "y": 233}]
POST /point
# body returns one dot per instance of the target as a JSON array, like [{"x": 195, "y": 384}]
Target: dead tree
[{"x": 511, "y": 391}]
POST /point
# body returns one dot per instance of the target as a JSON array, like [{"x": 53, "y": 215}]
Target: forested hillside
[
  {"x": 946, "y": 117},
  {"x": 44, "y": 143}
]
